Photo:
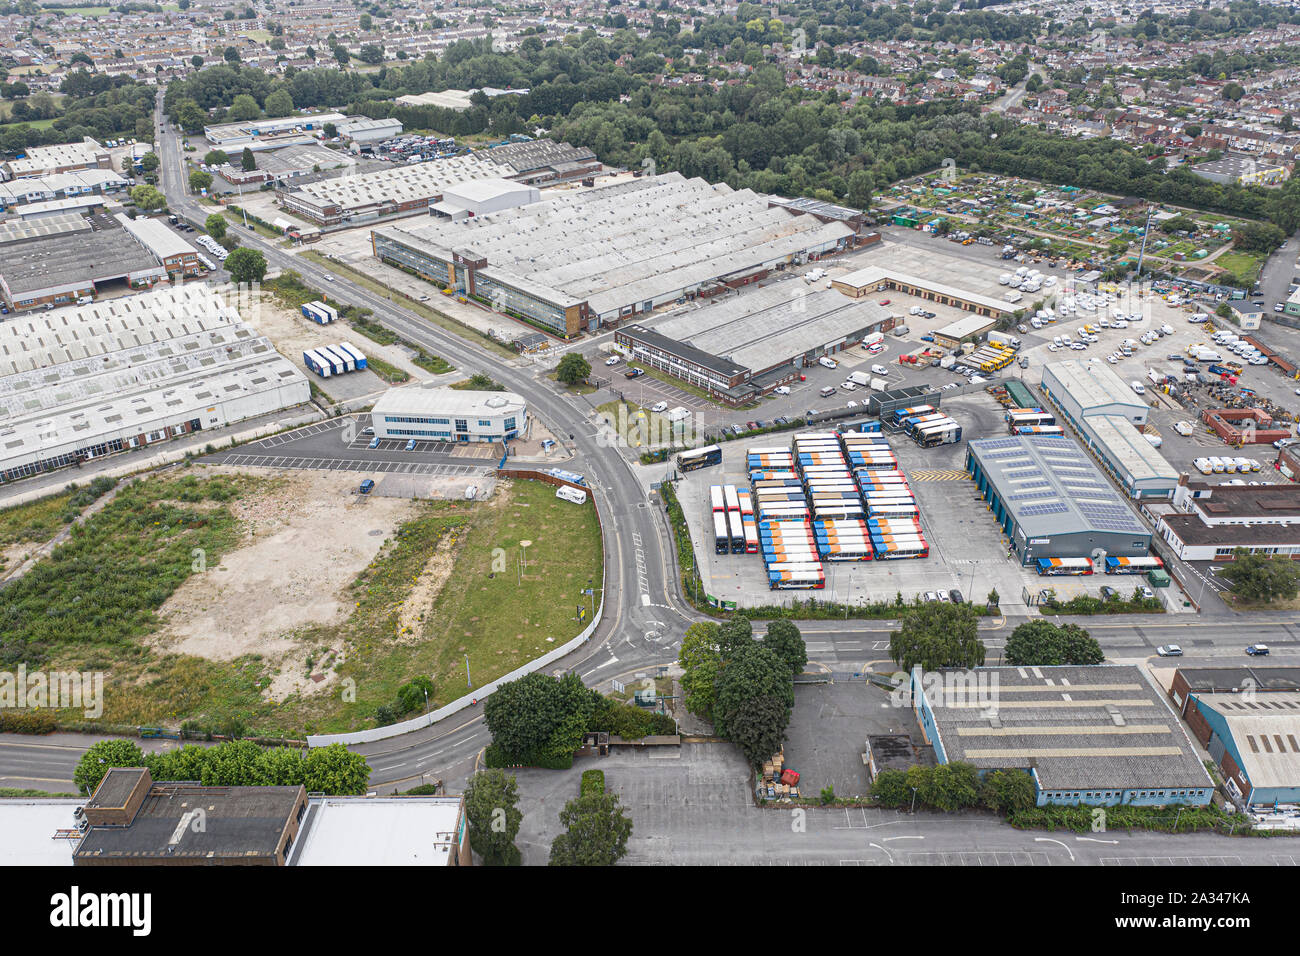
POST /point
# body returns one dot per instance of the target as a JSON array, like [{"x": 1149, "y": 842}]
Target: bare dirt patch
[{"x": 306, "y": 537}]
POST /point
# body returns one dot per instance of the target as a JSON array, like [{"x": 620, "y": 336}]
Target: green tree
[
  {"x": 890, "y": 789},
  {"x": 246, "y": 266},
  {"x": 1004, "y": 790},
  {"x": 282, "y": 767},
  {"x": 150, "y": 162},
  {"x": 1040, "y": 643},
  {"x": 784, "y": 639},
  {"x": 342, "y": 55},
  {"x": 938, "y": 634},
  {"x": 755, "y": 694},
  {"x": 538, "y": 718},
  {"x": 335, "y": 769},
  {"x": 573, "y": 369},
  {"x": 491, "y": 809},
  {"x": 247, "y": 161},
  {"x": 215, "y": 225},
  {"x": 365, "y": 22},
  {"x": 244, "y": 107},
  {"x": 235, "y": 763},
  {"x": 1260, "y": 579},
  {"x": 148, "y": 198},
  {"x": 101, "y": 757},
  {"x": 735, "y": 636},
  {"x": 200, "y": 180},
  {"x": 231, "y": 55},
  {"x": 596, "y": 831},
  {"x": 701, "y": 662},
  {"x": 279, "y": 103}
]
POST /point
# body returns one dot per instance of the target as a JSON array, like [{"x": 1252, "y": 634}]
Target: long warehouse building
[
  {"x": 402, "y": 189},
  {"x": 1051, "y": 500},
  {"x": 582, "y": 259},
  {"x": 79, "y": 384},
  {"x": 742, "y": 347},
  {"x": 1108, "y": 416}
]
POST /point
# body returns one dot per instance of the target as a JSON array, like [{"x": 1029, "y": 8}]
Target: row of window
[{"x": 1117, "y": 794}]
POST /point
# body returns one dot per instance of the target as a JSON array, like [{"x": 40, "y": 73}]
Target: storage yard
[{"x": 855, "y": 518}]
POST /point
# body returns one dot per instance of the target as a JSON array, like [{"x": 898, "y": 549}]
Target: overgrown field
[{"x": 92, "y": 605}]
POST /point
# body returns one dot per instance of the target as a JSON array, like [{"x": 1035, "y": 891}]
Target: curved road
[{"x": 642, "y": 618}]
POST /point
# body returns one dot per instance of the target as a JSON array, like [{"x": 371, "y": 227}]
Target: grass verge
[{"x": 440, "y": 319}]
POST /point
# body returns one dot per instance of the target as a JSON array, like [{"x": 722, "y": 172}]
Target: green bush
[
  {"x": 593, "y": 781},
  {"x": 40, "y": 721}
]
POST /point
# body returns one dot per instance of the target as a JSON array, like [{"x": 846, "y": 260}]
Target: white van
[
  {"x": 1242, "y": 464},
  {"x": 825, "y": 362},
  {"x": 1203, "y": 466},
  {"x": 1217, "y": 465},
  {"x": 879, "y": 370},
  {"x": 576, "y": 495},
  {"x": 1004, "y": 279},
  {"x": 1056, "y": 340}
]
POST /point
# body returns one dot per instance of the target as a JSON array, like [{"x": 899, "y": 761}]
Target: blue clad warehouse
[
  {"x": 1051, "y": 500},
  {"x": 1099, "y": 735},
  {"x": 434, "y": 413}
]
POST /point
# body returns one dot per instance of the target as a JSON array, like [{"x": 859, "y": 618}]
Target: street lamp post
[{"x": 913, "y": 799}]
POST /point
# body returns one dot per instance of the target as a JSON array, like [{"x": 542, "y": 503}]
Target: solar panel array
[{"x": 1051, "y": 475}]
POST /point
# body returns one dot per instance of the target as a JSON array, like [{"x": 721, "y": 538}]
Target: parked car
[
  {"x": 634, "y": 372},
  {"x": 1108, "y": 593},
  {"x": 658, "y": 407},
  {"x": 955, "y": 597},
  {"x": 374, "y": 443},
  {"x": 612, "y": 360},
  {"x": 369, "y": 483},
  {"x": 1169, "y": 650},
  {"x": 410, "y": 445}
]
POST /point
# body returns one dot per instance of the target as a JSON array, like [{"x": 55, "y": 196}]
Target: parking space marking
[
  {"x": 978, "y": 858},
  {"x": 1171, "y": 861}
]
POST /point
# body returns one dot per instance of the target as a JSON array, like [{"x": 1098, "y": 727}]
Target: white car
[
  {"x": 781, "y": 390},
  {"x": 851, "y": 404},
  {"x": 848, "y": 386},
  {"x": 1138, "y": 387},
  {"x": 1052, "y": 347},
  {"x": 1111, "y": 359},
  {"x": 658, "y": 407},
  {"x": 612, "y": 360}
]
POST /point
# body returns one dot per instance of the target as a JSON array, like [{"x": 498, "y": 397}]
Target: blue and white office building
[{"x": 428, "y": 412}]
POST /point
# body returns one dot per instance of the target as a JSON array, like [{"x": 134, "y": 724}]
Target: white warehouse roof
[{"x": 425, "y": 398}]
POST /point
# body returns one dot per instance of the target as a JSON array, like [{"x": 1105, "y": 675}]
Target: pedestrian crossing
[{"x": 939, "y": 474}]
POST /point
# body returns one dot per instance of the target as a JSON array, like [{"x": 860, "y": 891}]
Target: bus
[
  {"x": 721, "y": 534},
  {"x": 699, "y": 458},
  {"x": 893, "y": 510},
  {"x": 715, "y": 495},
  {"x": 571, "y": 477},
  {"x": 733, "y": 499},
  {"x": 737, "y": 532},
  {"x": 901, "y": 548},
  {"x": 746, "y": 504},
  {"x": 1037, "y": 430},
  {"x": 901, "y": 413},
  {"x": 751, "y": 536},
  {"x": 1013, "y": 412},
  {"x": 1056, "y": 566},
  {"x": 796, "y": 580},
  {"x": 1121, "y": 565},
  {"x": 941, "y": 433},
  {"x": 1029, "y": 418},
  {"x": 913, "y": 425}
]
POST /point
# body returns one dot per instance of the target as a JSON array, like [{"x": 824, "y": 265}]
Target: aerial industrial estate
[{"x": 454, "y": 435}]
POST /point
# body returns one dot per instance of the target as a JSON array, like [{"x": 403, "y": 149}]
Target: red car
[{"x": 884, "y": 302}]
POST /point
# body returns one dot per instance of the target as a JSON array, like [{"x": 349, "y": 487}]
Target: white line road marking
[{"x": 1058, "y": 843}]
